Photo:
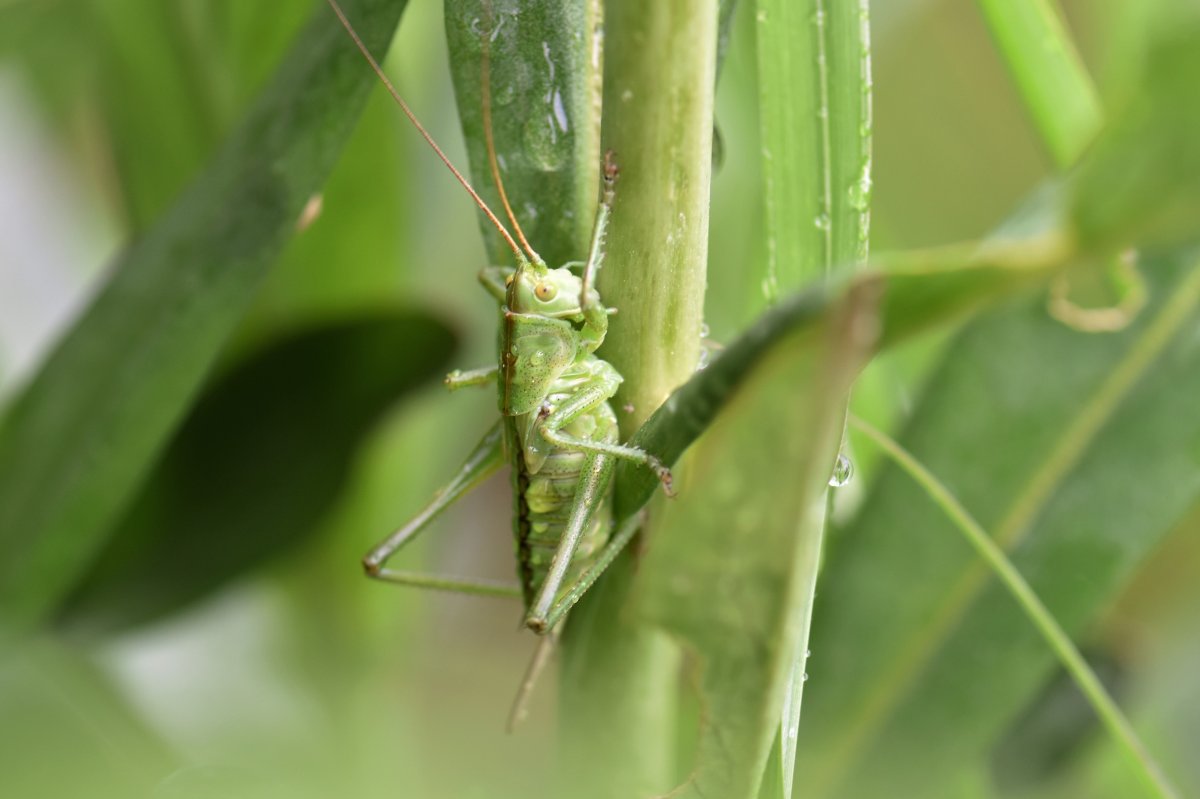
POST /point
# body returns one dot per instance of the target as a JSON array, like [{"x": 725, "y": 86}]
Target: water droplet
[
  {"x": 805, "y": 677},
  {"x": 807, "y": 653},
  {"x": 792, "y": 733},
  {"x": 843, "y": 470},
  {"x": 560, "y": 113},
  {"x": 821, "y": 221},
  {"x": 704, "y": 330},
  {"x": 627, "y": 95},
  {"x": 860, "y": 190},
  {"x": 549, "y": 60},
  {"x": 703, "y": 360}
]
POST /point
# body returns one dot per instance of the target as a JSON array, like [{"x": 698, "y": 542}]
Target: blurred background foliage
[{"x": 267, "y": 665}]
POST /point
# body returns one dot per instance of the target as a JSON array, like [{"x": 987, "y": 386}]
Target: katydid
[{"x": 557, "y": 429}]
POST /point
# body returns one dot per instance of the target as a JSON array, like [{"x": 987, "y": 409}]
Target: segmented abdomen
[{"x": 545, "y": 499}]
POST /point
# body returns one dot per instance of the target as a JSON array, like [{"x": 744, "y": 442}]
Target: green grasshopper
[{"x": 557, "y": 430}]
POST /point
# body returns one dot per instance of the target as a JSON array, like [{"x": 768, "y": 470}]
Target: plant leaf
[
  {"x": 1091, "y": 459},
  {"x": 544, "y": 68},
  {"x": 732, "y": 570},
  {"x": 1141, "y": 182},
  {"x": 68, "y": 731},
  {"x": 78, "y": 441},
  {"x": 814, "y": 76},
  {"x": 159, "y": 135},
  {"x": 919, "y": 290},
  {"x": 260, "y": 459}
]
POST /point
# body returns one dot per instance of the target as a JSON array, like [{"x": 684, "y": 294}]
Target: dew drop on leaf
[{"x": 843, "y": 470}]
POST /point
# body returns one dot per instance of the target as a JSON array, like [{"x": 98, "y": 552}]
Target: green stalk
[
  {"x": 1089, "y": 684},
  {"x": 1049, "y": 74},
  {"x": 619, "y": 677},
  {"x": 814, "y": 76}
]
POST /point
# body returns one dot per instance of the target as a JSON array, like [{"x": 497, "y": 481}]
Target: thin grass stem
[{"x": 1068, "y": 655}]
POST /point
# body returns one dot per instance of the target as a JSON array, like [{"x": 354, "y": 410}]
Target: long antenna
[
  {"x": 362, "y": 48},
  {"x": 485, "y": 77}
]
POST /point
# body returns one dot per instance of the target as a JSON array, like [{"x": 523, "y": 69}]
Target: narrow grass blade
[
  {"x": 1039, "y": 616},
  {"x": 78, "y": 441},
  {"x": 1049, "y": 74},
  {"x": 814, "y": 75}
]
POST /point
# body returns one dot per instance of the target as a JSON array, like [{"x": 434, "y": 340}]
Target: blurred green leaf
[
  {"x": 544, "y": 91},
  {"x": 162, "y": 113},
  {"x": 1141, "y": 182},
  {"x": 1078, "y": 452},
  {"x": 78, "y": 441},
  {"x": 732, "y": 569},
  {"x": 68, "y": 731},
  {"x": 256, "y": 465},
  {"x": 1049, "y": 74},
  {"x": 155, "y": 85},
  {"x": 1051, "y": 729}
]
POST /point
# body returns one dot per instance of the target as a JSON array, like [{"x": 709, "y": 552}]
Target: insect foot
[
  {"x": 663, "y": 474},
  {"x": 537, "y": 623},
  {"x": 371, "y": 565}
]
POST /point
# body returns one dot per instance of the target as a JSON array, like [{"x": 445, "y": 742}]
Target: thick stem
[{"x": 619, "y": 682}]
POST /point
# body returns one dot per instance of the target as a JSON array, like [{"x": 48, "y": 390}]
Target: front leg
[{"x": 599, "y": 389}]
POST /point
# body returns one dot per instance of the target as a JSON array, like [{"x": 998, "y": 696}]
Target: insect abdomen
[{"x": 546, "y": 498}]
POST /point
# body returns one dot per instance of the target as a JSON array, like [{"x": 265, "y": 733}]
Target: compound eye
[{"x": 545, "y": 291}]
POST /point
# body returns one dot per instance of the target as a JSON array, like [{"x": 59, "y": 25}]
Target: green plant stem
[
  {"x": 658, "y": 100},
  {"x": 1052, "y": 81},
  {"x": 619, "y": 676},
  {"x": 1069, "y": 656}
]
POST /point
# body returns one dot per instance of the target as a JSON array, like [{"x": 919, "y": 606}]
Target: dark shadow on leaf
[{"x": 256, "y": 465}]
